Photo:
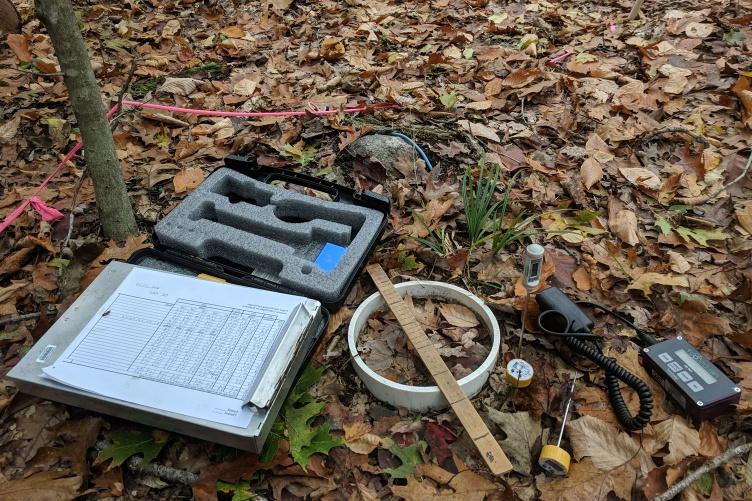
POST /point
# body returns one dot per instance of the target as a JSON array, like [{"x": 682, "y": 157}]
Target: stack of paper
[{"x": 185, "y": 345}]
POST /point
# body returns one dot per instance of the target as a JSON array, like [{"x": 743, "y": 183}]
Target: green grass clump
[{"x": 485, "y": 215}]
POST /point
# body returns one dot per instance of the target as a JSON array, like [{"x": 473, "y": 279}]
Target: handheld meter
[{"x": 697, "y": 385}]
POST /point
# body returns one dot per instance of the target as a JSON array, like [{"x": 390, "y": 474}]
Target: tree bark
[
  {"x": 115, "y": 211},
  {"x": 635, "y": 10}
]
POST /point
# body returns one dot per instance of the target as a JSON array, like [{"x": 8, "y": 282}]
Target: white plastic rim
[{"x": 422, "y": 398}]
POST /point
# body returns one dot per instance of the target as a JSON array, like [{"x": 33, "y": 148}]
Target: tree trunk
[
  {"x": 114, "y": 207},
  {"x": 635, "y": 10}
]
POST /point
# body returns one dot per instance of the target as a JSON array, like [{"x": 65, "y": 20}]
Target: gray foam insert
[{"x": 276, "y": 232}]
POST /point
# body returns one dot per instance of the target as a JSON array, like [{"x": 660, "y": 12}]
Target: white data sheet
[{"x": 179, "y": 344}]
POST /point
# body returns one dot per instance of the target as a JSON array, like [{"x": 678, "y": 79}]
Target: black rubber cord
[{"x": 615, "y": 373}]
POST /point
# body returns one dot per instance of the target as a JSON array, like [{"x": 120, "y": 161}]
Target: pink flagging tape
[
  {"x": 48, "y": 213},
  {"x": 45, "y": 211}
]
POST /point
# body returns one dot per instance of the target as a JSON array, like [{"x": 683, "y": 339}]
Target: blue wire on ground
[{"x": 408, "y": 140}]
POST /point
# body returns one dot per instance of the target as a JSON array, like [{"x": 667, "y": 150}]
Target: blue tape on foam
[{"x": 330, "y": 256}]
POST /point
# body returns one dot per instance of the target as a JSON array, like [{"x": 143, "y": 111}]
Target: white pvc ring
[{"x": 422, "y": 398}]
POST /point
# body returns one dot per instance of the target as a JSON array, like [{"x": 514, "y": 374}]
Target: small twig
[
  {"x": 76, "y": 189},
  {"x": 167, "y": 473},
  {"x": 164, "y": 472},
  {"x": 708, "y": 466},
  {"x": 19, "y": 318},
  {"x": 127, "y": 84},
  {"x": 38, "y": 73},
  {"x": 736, "y": 180}
]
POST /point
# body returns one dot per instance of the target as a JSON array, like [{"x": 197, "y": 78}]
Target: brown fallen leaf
[
  {"x": 9, "y": 291},
  {"x": 15, "y": 261},
  {"x": 682, "y": 440},
  {"x": 302, "y": 487},
  {"x": 593, "y": 401},
  {"x": 522, "y": 431},
  {"x": 480, "y": 130},
  {"x": 458, "y": 315},
  {"x": 188, "y": 179},
  {"x": 605, "y": 445},
  {"x": 521, "y": 78},
  {"x": 20, "y": 47},
  {"x": 654, "y": 482},
  {"x": 648, "y": 279},
  {"x": 205, "y": 488},
  {"x": 744, "y": 216},
  {"x": 677, "y": 262},
  {"x": 111, "y": 480},
  {"x": 586, "y": 482},
  {"x": 624, "y": 225},
  {"x": 171, "y": 28},
  {"x": 332, "y": 48},
  {"x": 122, "y": 252},
  {"x": 427, "y": 219},
  {"x": 582, "y": 279},
  {"x": 743, "y": 90},
  {"x": 9, "y": 129},
  {"x": 444, "y": 486},
  {"x": 364, "y": 444},
  {"x": 696, "y": 323},
  {"x": 179, "y": 86},
  {"x": 644, "y": 178},
  {"x": 73, "y": 440},
  {"x": 710, "y": 444},
  {"x": 42, "y": 486},
  {"x": 591, "y": 172}
]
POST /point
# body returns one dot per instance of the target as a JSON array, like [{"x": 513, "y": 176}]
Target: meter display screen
[
  {"x": 534, "y": 268},
  {"x": 696, "y": 368}
]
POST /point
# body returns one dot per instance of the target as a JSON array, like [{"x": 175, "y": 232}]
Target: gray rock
[{"x": 381, "y": 148}]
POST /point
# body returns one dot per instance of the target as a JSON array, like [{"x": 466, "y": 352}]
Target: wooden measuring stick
[{"x": 489, "y": 449}]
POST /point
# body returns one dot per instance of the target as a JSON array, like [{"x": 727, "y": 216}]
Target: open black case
[{"x": 256, "y": 200}]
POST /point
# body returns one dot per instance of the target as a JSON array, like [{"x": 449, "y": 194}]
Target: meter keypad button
[
  {"x": 685, "y": 376},
  {"x": 674, "y": 366},
  {"x": 695, "y": 386},
  {"x": 665, "y": 357}
]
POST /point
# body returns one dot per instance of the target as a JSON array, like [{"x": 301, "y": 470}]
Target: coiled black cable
[{"x": 614, "y": 371}]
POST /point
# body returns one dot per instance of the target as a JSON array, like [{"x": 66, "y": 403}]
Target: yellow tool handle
[{"x": 489, "y": 449}]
